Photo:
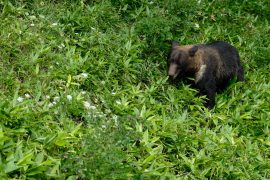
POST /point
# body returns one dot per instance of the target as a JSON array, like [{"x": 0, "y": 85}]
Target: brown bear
[{"x": 212, "y": 65}]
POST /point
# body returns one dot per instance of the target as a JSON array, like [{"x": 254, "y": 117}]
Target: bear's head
[{"x": 180, "y": 59}]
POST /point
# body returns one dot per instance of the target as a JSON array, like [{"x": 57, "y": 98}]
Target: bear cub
[{"x": 212, "y": 65}]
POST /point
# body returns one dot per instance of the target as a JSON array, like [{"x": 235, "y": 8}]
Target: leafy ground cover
[{"x": 84, "y": 91}]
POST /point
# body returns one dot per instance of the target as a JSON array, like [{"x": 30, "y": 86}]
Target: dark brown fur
[{"x": 212, "y": 65}]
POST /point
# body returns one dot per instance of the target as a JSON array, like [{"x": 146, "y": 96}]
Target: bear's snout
[{"x": 173, "y": 71}]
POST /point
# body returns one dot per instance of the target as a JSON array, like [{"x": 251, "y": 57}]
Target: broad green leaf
[
  {"x": 27, "y": 159},
  {"x": 74, "y": 132},
  {"x": 39, "y": 158},
  {"x": 10, "y": 166},
  {"x": 145, "y": 137},
  {"x": 149, "y": 158}
]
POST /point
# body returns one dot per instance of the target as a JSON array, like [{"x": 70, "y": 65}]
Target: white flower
[
  {"x": 61, "y": 46},
  {"x": 101, "y": 115},
  {"x": 50, "y": 105},
  {"x": 103, "y": 126},
  {"x": 83, "y": 92},
  {"x": 114, "y": 117},
  {"x": 197, "y": 26},
  {"x": 27, "y": 95},
  {"x": 32, "y": 24},
  {"x": 85, "y": 75},
  {"x": 20, "y": 99},
  {"x": 86, "y": 105},
  {"x": 47, "y": 97},
  {"x": 92, "y": 107},
  {"x": 54, "y": 24},
  {"x": 118, "y": 102},
  {"x": 108, "y": 111},
  {"x": 113, "y": 93},
  {"x": 103, "y": 82},
  {"x": 69, "y": 97},
  {"x": 32, "y": 17},
  {"x": 56, "y": 98}
]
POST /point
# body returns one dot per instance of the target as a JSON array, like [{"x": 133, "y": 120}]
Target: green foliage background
[{"x": 84, "y": 91}]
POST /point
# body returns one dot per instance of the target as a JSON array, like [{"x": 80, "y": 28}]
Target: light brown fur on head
[
  {"x": 194, "y": 57},
  {"x": 194, "y": 62}
]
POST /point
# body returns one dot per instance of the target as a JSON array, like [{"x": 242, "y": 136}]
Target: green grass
[{"x": 84, "y": 91}]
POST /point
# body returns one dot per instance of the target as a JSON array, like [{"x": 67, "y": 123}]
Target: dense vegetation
[{"x": 84, "y": 91}]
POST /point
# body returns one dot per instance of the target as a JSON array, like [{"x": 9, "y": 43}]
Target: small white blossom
[
  {"x": 32, "y": 17},
  {"x": 27, "y": 95},
  {"x": 85, "y": 75},
  {"x": 197, "y": 26},
  {"x": 32, "y": 24},
  {"x": 47, "y": 97},
  {"x": 61, "y": 46},
  {"x": 69, "y": 97},
  {"x": 56, "y": 98},
  {"x": 54, "y": 24},
  {"x": 103, "y": 82},
  {"x": 92, "y": 107},
  {"x": 114, "y": 117},
  {"x": 86, "y": 105},
  {"x": 50, "y": 105},
  {"x": 103, "y": 126},
  {"x": 83, "y": 92},
  {"x": 118, "y": 102},
  {"x": 101, "y": 115},
  {"x": 20, "y": 99},
  {"x": 113, "y": 93}
]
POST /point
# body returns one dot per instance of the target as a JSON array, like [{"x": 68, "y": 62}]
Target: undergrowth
[{"x": 84, "y": 91}]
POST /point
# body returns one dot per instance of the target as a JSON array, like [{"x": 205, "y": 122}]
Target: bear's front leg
[
  {"x": 208, "y": 87},
  {"x": 210, "y": 95}
]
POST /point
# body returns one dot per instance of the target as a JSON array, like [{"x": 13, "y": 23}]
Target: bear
[{"x": 211, "y": 65}]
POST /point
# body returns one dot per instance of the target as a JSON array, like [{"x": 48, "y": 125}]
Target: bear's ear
[
  {"x": 175, "y": 44},
  {"x": 193, "y": 50}
]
